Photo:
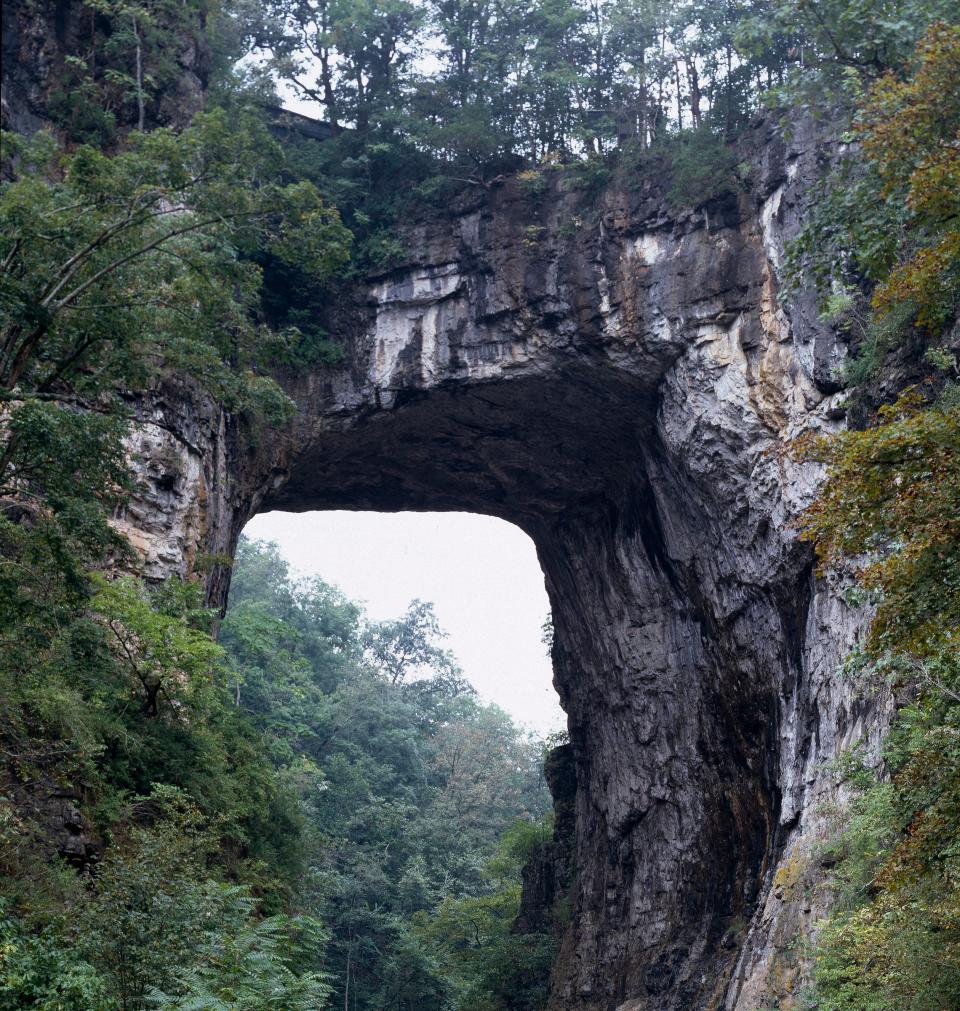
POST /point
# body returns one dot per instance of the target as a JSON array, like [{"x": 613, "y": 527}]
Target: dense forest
[
  {"x": 291, "y": 806},
  {"x": 340, "y": 773},
  {"x": 363, "y": 812}
]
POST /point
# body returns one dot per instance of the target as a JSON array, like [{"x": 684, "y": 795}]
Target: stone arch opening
[
  {"x": 618, "y": 390},
  {"x": 480, "y": 574},
  {"x": 670, "y": 700}
]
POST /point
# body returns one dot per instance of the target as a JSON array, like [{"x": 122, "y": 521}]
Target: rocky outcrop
[
  {"x": 620, "y": 382},
  {"x": 545, "y": 894},
  {"x": 38, "y": 38},
  {"x": 41, "y": 819}
]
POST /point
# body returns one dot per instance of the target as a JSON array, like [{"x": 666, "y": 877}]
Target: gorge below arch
[{"x": 619, "y": 382}]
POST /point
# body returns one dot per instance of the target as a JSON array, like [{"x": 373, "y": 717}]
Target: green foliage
[
  {"x": 329, "y": 765},
  {"x": 156, "y": 931},
  {"x": 701, "y": 169},
  {"x": 884, "y": 221},
  {"x": 406, "y": 779},
  {"x": 161, "y": 654},
  {"x": 543, "y": 81},
  {"x": 850, "y": 232},
  {"x": 589, "y": 175},
  {"x": 508, "y": 85},
  {"x": 894, "y": 936},
  {"x": 910, "y": 132},
  {"x": 114, "y": 269},
  {"x": 838, "y": 43},
  {"x": 890, "y": 952},
  {"x": 374, "y": 179},
  {"x": 309, "y": 760},
  {"x": 884, "y": 226},
  {"x": 41, "y": 972},
  {"x": 113, "y": 266},
  {"x": 407, "y": 647},
  {"x": 151, "y": 906},
  {"x": 488, "y": 965},
  {"x": 887, "y": 513},
  {"x": 893, "y": 499},
  {"x": 61, "y": 455},
  {"x": 127, "y": 60},
  {"x": 49, "y": 646},
  {"x": 250, "y": 965}
]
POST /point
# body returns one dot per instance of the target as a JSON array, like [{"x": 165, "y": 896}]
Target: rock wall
[
  {"x": 37, "y": 37},
  {"x": 619, "y": 382},
  {"x": 544, "y": 897}
]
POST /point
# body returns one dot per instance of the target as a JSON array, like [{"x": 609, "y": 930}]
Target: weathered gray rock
[
  {"x": 44, "y": 818},
  {"x": 620, "y": 383}
]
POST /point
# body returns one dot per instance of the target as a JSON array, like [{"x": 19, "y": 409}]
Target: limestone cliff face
[{"x": 618, "y": 382}]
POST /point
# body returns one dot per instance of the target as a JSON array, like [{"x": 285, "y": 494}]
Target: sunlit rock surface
[{"x": 619, "y": 382}]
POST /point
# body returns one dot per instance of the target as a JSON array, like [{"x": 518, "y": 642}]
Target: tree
[
  {"x": 42, "y": 971},
  {"x": 126, "y": 62},
  {"x": 488, "y": 966},
  {"x": 910, "y": 130},
  {"x": 361, "y": 51},
  {"x": 147, "y": 242},
  {"x": 840, "y": 42},
  {"x": 406, "y": 780},
  {"x": 407, "y": 647},
  {"x": 163, "y": 935},
  {"x": 887, "y": 515},
  {"x": 893, "y": 500}
]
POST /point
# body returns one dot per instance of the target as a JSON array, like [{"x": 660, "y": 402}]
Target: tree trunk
[
  {"x": 676, "y": 74},
  {"x": 694, "y": 81},
  {"x": 141, "y": 105},
  {"x": 346, "y": 985}
]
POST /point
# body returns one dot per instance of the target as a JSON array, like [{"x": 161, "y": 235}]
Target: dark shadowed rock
[{"x": 546, "y": 877}]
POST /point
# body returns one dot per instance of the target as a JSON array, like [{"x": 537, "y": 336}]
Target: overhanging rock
[{"x": 618, "y": 382}]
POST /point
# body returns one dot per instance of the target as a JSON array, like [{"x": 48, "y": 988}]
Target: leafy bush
[
  {"x": 488, "y": 966},
  {"x": 892, "y": 502},
  {"x": 701, "y": 168},
  {"x": 154, "y": 932},
  {"x": 42, "y": 972}
]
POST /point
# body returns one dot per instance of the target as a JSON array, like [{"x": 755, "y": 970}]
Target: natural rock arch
[{"x": 616, "y": 382}]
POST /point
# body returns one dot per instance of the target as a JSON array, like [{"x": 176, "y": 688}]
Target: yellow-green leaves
[
  {"x": 165, "y": 658},
  {"x": 910, "y": 131},
  {"x": 892, "y": 502}
]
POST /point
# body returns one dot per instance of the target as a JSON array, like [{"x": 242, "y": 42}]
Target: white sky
[{"x": 481, "y": 574}]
